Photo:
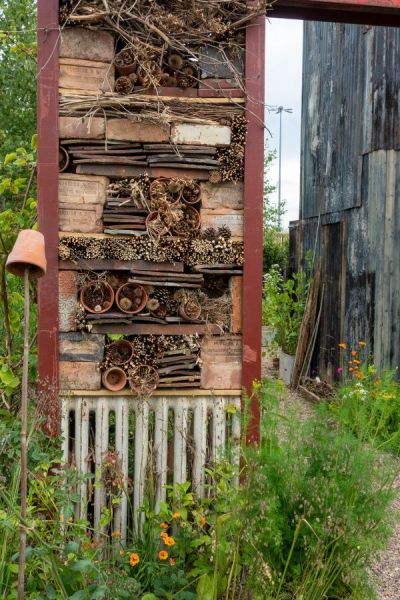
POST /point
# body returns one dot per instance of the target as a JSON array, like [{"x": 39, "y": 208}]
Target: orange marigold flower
[
  {"x": 172, "y": 562},
  {"x": 169, "y": 541},
  {"x": 164, "y": 525},
  {"x": 163, "y": 535},
  {"x": 342, "y": 346},
  {"x": 163, "y": 555},
  {"x": 362, "y": 343},
  {"x": 176, "y": 515},
  {"x": 116, "y": 534},
  {"x": 134, "y": 559},
  {"x": 354, "y": 352},
  {"x": 357, "y": 362},
  {"x": 203, "y": 521},
  {"x": 358, "y": 374},
  {"x": 351, "y": 370},
  {"x": 376, "y": 382}
]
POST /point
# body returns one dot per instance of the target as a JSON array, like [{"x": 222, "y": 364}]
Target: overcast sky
[{"x": 284, "y": 45}]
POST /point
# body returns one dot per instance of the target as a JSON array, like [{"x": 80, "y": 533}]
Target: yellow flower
[
  {"x": 116, "y": 534},
  {"x": 176, "y": 515},
  {"x": 358, "y": 375},
  {"x": 351, "y": 370},
  {"x": 122, "y": 552},
  {"x": 357, "y": 362},
  {"x": 164, "y": 525},
  {"x": 172, "y": 562},
  {"x": 362, "y": 344},
  {"x": 342, "y": 346},
  {"x": 354, "y": 352},
  {"x": 163, "y": 535},
  {"x": 163, "y": 555},
  {"x": 169, "y": 541},
  {"x": 134, "y": 559}
]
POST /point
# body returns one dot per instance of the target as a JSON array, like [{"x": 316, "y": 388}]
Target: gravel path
[{"x": 387, "y": 568}]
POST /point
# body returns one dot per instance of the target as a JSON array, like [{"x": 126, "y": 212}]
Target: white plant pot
[
  {"x": 286, "y": 366},
  {"x": 268, "y": 334}
]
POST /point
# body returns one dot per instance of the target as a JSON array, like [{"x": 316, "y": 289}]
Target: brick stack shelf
[{"x": 113, "y": 156}]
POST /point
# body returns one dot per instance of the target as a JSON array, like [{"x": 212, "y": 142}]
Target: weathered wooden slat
[
  {"x": 119, "y": 265},
  {"x": 117, "y": 171},
  {"x": 150, "y": 329}
]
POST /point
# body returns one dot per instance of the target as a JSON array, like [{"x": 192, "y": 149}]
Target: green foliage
[
  {"x": 314, "y": 508},
  {"x": 368, "y": 404},
  {"x": 276, "y": 247},
  {"x": 17, "y": 73},
  {"x": 283, "y": 306},
  {"x": 18, "y": 203}
]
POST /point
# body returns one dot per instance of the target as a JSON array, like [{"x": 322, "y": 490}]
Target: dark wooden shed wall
[{"x": 351, "y": 176}]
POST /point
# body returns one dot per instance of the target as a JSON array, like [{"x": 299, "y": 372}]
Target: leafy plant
[
  {"x": 276, "y": 245},
  {"x": 283, "y": 306}
]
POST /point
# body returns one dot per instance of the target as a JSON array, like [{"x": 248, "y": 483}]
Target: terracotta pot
[
  {"x": 122, "y": 347},
  {"x": 182, "y": 229},
  {"x": 63, "y": 159},
  {"x": 28, "y": 252},
  {"x": 155, "y": 225},
  {"x": 114, "y": 379},
  {"x": 136, "y": 306},
  {"x": 191, "y": 198},
  {"x": 105, "y": 305},
  {"x": 171, "y": 197},
  {"x": 190, "y": 311}
]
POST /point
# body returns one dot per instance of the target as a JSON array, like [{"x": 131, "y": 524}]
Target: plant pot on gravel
[
  {"x": 97, "y": 297},
  {"x": 120, "y": 352},
  {"x": 114, "y": 379},
  {"x": 131, "y": 298}
]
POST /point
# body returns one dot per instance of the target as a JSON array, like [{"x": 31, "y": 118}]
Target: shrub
[{"x": 314, "y": 509}]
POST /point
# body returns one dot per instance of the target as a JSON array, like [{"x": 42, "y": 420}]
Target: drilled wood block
[
  {"x": 81, "y": 128},
  {"x": 236, "y": 287},
  {"x": 221, "y": 363},
  {"x": 86, "y": 218},
  {"x": 86, "y": 75},
  {"x": 204, "y": 135},
  {"x": 86, "y": 44},
  {"x": 79, "y": 375},
  {"x": 68, "y": 300},
  {"x": 137, "y": 131},
  {"x": 81, "y": 347},
  {"x": 223, "y": 216},
  {"x": 222, "y": 195},
  {"x": 82, "y": 189}
]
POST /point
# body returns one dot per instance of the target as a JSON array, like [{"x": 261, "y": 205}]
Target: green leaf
[
  {"x": 82, "y": 565},
  {"x": 34, "y": 142},
  {"x": 149, "y": 597},
  {"x": 205, "y": 588},
  {"x": 81, "y": 595},
  {"x": 10, "y": 157}
]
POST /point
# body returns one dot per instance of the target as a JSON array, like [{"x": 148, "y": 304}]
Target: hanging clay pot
[
  {"x": 114, "y": 379},
  {"x": 190, "y": 310},
  {"x": 28, "y": 252},
  {"x": 119, "y": 352},
  {"x": 131, "y": 298},
  {"x": 97, "y": 297}
]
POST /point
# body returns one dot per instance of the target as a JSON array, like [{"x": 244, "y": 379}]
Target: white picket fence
[{"x": 173, "y": 438}]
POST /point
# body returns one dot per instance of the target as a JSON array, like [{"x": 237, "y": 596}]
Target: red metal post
[
  {"x": 48, "y": 37},
  {"x": 373, "y": 12},
  {"x": 253, "y": 216}
]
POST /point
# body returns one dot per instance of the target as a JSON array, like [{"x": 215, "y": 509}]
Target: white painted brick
[{"x": 203, "y": 135}]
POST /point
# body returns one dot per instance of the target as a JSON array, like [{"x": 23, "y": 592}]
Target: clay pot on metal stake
[
  {"x": 114, "y": 379},
  {"x": 97, "y": 297},
  {"x": 131, "y": 298}
]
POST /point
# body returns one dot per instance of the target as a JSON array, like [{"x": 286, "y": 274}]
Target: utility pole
[{"x": 279, "y": 110}]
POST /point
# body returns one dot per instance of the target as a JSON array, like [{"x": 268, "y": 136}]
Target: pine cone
[
  {"x": 210, "y": 234},
  {"x": 224, "y": 232}
]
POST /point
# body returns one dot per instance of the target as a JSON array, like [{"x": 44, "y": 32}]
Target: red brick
[
  {"x": 236, "y": 285},
  {"x": 81, "y": 128},
  {"x": 222, "y": 195},
  {"x": 79, "y": 376},
  {"x": 137, "y": 131},
  {"x": 86, "y": 218},
  {"x": 87, "y": 44},
  {"x": 221, "y": 362},
  {"x": 68, "y": 299}
]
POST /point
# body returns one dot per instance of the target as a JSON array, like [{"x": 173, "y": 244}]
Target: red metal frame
[
  {"x": 48, "y": 36},
  {"x": 358, "y": 11}
]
